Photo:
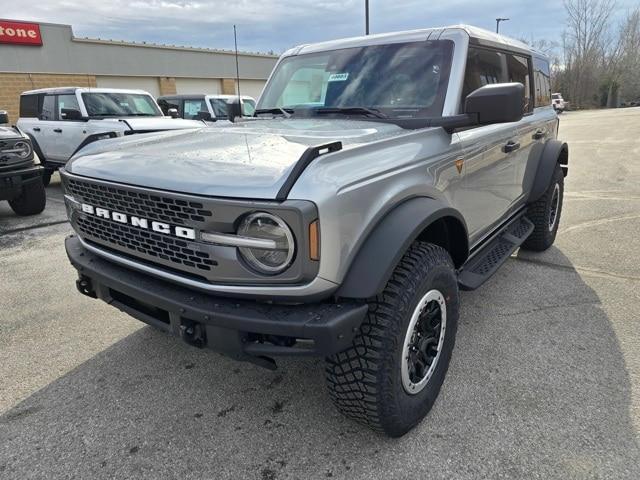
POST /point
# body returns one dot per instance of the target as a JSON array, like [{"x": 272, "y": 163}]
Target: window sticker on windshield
[{"x": 338, "y": 77}]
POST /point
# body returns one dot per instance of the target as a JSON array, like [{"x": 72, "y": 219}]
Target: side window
[
  {"x": 29, "y": 106},
  {"x": 248, "y": 108},
  {"x": 483, "y": 67},
  {"x": 67, "y": 101},
  {"x": 48, "y": 108},
  {"x": 167, "y": 103},
  {"x": 542, "y": 80},
  {"x": 519, "y": 72},
  {"x": 220, "y": 108},
  {"x": 192, "y": 106}
]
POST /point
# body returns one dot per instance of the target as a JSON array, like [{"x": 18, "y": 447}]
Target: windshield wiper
[
  {"x": 372, "y": 112},
  {"x": 276, "y": 111}
]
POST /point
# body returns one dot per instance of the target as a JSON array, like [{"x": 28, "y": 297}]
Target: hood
[
  {"x": 152, "y": 124},
  {"x": 250, "y": 159},
  {"x": 7, "y": 133}
]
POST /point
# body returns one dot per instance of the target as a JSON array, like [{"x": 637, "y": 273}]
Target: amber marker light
[{"x": 314, "y": 240}]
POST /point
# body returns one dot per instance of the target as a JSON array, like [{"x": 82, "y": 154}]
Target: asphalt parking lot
[{"x": 545, "y": 380}]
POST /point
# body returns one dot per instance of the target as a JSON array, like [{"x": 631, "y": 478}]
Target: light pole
[
  {"x": 498, "y": 20},
  {"x": 366, "y": 17}
]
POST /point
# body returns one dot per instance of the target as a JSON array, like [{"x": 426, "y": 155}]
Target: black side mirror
[
  {"x": 173, "y": 112},
  {"x": 496, "y": 103},
  {"x": 4, "y": 117},
  {"x": 204, "y": 115},
  {"x": 71, "y": 114}
]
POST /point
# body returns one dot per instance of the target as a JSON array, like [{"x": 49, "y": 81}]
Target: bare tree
[
  {"x": 586, "y": 43},
  {"x": 627, "y": 66}
]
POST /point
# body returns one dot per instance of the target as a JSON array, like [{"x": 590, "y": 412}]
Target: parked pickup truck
[
  {"x": 61, "y": 121},
  {"x": 20, "y": 176},
  {"x": 379, "y": 176}
]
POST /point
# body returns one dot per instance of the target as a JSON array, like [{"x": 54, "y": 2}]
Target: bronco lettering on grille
[{"x": 160, "y": 227}]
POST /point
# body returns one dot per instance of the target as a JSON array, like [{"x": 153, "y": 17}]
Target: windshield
[
  {"x": 403, "y": 80},
  {"x": 107, "y": 104},
  {"x": 556, "y": 96}
]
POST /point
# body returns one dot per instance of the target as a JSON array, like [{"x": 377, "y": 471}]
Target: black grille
[
  {"x": 145, "y": 205},
  {"x": 179, "y": 252}
]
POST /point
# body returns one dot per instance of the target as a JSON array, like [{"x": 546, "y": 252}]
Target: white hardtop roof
[
  {"x": 67, "y": 90},
  {"x": 231, "y": 97},
  {"x": 484, "y": 36}
]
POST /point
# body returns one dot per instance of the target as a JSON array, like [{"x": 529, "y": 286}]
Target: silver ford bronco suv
[
  {"x": 379, "y": 176},
  {"x": 20, "y": 175}
]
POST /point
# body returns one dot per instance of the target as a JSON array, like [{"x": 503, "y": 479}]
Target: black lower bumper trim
[
  {"x": 20, "y": 177},
  {"x": 238, "y": 328}
]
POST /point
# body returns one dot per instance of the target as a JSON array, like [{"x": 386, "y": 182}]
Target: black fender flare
[
  {"x": 36, "y": 148},
  {"x": 385, "y": 245},
  {"x": 555, "y": 152}
]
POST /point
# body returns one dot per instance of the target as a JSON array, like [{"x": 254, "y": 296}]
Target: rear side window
[
  {"x": 48, "y": 108},
  {"x": 29, "y": 106},
  {"x": 542, "y": 81},
  {"x": 485, "y": 66}
]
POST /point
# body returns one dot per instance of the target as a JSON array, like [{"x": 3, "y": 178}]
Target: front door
[{"x": 489, "y": 173}]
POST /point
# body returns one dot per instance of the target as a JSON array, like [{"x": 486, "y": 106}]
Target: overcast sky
[{"x": 276, "y": 25}]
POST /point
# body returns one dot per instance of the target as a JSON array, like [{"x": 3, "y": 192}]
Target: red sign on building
[{"x": 20, "y": 33}]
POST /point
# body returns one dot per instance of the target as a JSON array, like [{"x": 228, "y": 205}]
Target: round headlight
[
  {"x": 22, "y": 149},
  {"x": 265, "y": 226}
]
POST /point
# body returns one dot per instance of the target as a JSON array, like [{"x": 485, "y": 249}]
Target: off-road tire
[
  {"x": 31, "y": 201},
  {"x": 540, "y": 211},
  {"x": 46, "y": 176},
  {"x": 365, "y": 381}
]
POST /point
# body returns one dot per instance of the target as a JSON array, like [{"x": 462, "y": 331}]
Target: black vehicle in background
[{"x": 20, "y": 177}]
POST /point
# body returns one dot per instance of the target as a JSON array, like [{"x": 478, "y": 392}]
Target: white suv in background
[
  {"x": 60, "y": 121},
  {"x": 558, "y": 102}
]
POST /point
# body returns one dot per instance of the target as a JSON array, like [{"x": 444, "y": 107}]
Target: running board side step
[{"x": 486, "y": 262}]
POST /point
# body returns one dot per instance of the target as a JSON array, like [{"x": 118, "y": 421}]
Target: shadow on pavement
[{"x": 537, "y": 388}]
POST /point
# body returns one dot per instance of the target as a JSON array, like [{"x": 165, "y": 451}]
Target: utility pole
[
  {"x": 498, "y": 20},
  {"x": 235, "y": 40},
  {"x": 366, "y": 17}
]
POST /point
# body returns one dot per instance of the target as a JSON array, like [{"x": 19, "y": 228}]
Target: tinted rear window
[{"x": 29, "y": 106}]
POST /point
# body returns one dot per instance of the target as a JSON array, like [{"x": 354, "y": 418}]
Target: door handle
[
  {"x": 57, "y": 130},
  {"x": 510, "y": 147},
  {"x": 539, "y": 134},
  {"x": 36, "y": 129}
]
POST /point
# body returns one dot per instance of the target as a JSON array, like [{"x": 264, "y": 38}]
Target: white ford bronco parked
[
  {"x": 379, "y": 176},
  {"x": 60, "y": 121},
  {"x": 20, "y": 176}
]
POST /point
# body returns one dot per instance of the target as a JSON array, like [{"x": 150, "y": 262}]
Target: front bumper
[
  {"x": 18, "y": 178},
  {"x": 242, "y": 329}
]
